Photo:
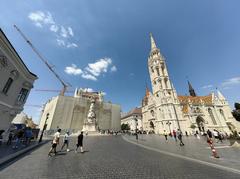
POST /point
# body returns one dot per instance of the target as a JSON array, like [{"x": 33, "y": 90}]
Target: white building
[
  {"x": 70, "y": 112},
  {"x": 16, "y": 81},
  {"x": 133, "y": 118},
  {"x": 163, "y": 109}
]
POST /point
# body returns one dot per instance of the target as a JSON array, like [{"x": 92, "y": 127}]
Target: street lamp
[{"x": 44, "y": 127}]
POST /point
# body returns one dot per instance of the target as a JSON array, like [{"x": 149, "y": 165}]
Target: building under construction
[{"x": 70, "y": 112}]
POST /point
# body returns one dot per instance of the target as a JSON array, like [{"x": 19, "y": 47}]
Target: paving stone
[{"x": 108, "y": 157}]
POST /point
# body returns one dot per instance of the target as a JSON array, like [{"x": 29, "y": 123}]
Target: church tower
[
  {"x": 161, "y": 84},
  {"x": 167, "y": 111}
]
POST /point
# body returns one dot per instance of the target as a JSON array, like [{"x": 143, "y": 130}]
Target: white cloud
[
  {"x": 113, "y": 68},
  {"x": 99, "y": 66},
  {"x": 61, "y": 42},
  {"x": 89, "y": 77},
  {"x": 70, "y": 31},
  {"x": 54, "y": 28},
  {"x": 72, "y": 45},
  {"x": 207, "y": 86},
  {"x": 73, "y": 70},
  {"x": 93, "y": 70},
  {"x": 63, "y": 34},
  {"x": 231, "y": 81},
  {"x": 39, "y": 18}
]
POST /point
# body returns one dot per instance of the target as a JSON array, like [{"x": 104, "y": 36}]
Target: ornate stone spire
[
  {"x": 191, "y": 90},
  {"x": 220, "y": 95},
  {"x": 153, "y": 44}
]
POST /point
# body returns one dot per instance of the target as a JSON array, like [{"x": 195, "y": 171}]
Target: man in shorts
[
  {"x": 79, "y": 142},
  {"x": 55, "y": 142}
]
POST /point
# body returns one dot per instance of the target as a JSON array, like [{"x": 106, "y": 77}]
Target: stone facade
[
  {"x": 134, "y": 119},
  {"x": 163, "y": 109},
  {"x": 71, "y": 112},
  {"x": 16, "y": 81}
]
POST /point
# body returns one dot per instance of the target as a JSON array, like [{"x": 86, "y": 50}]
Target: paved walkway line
[{"x": 184, "y": 157}]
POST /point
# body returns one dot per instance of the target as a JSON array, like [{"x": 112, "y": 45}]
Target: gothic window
[
  {"x": 212, "y": 116},
  {"x": 7, "y": 85},
  {"x": 166, "y": 86},
  {"x": 152, "y": 69},
  {"x": 158, "y": 72},
  {"x": 169, "y": 112},
  {"x": 222, "y": 114},
  {"x": 163, "y": 115},
  {"x": 152, "y": 113},
  {"x": 155, "y": 82}
]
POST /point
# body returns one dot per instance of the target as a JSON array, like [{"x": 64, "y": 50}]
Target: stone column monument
[{"x": 90, "y": 123}]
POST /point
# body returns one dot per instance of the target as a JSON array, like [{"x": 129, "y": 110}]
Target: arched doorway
[{"x": 200, "y": 122}]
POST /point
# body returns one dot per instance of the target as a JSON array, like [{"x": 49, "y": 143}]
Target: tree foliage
[
  {"x": 236, "y": 112},
  {"x": 125, "y": 127},
  {"x": 193, "y": 126}
]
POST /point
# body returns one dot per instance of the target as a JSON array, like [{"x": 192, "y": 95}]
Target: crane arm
[{"x": 43, "y": 60}]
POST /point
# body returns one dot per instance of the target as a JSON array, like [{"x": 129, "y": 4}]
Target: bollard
[{"x": 214, "y": 152}]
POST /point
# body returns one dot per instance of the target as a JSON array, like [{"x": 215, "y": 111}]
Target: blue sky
[{"x": 104, "y": 45}]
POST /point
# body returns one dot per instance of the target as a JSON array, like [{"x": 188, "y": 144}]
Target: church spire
[
  {"x": 153, "y": 44},
  {"x": 191, "y": 90}
]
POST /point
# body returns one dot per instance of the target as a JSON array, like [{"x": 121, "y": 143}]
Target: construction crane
[
  {"x": 45, "y": 62},
  {"x": 52, "y": 90}
]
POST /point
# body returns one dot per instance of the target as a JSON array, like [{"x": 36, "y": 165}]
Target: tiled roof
[
  {"x": 196, "y": 100},
  {"x": 135, "y": 111}
]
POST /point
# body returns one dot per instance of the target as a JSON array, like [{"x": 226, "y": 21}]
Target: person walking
[
  {"x": 175, "y": 135},
  {"x": 66, "y": 141},
  {"x": 209, "y": 134},
  {"x": 55, "y": 142},
  {"x": 179, "y": 134},
  {"x": 165, "y": 134},
  {"x": 220, "y": 137},
  {"x": 10, "y": 137},
  {"x": 215, "y": 134},
  {"x": 18, "y": 136},
  {"x": 79, "y": 142}
]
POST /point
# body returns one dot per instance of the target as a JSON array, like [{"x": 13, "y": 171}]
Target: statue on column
[
  {"x": 91, "y": 117},
  {"x": 90, "y": 123}
]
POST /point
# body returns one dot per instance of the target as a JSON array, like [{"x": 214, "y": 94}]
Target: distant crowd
[{"x": 17, "y": 137}]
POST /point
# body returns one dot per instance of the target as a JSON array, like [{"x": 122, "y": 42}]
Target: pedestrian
[
  {"x": 55, "y": 142},
  {"x": 220, "y": 137},
  {"x": 215, "y": 134},
  {"x": 66, "y": 141},
  {"x": 79, "y": 142},
  {"x": 165, "y": 134},
  {"x": 18, "y": 136},
  {"x": 179, "y": 134},
  {"x": 136, "y": 136},
  {"x": 10, "y": 137},
  {"x": 209, "y": 134},
  {"x": 175, "y": 135}
]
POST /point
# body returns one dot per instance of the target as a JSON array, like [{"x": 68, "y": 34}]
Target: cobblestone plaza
[{"x": 108, "y": 157}]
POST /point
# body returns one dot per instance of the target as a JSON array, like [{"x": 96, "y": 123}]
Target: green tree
[
  {"x": 236, "y": 112},
  {"x": 193, "y": 126},
  {"x": 125, "y": 127}
]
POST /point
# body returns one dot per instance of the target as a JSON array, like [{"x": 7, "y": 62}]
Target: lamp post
[{"x": 44, "y": 127}]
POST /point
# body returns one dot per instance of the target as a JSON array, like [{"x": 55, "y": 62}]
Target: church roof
[
  {"x": 196, "y": 100},
  {"x": 135, "y": 111}
]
